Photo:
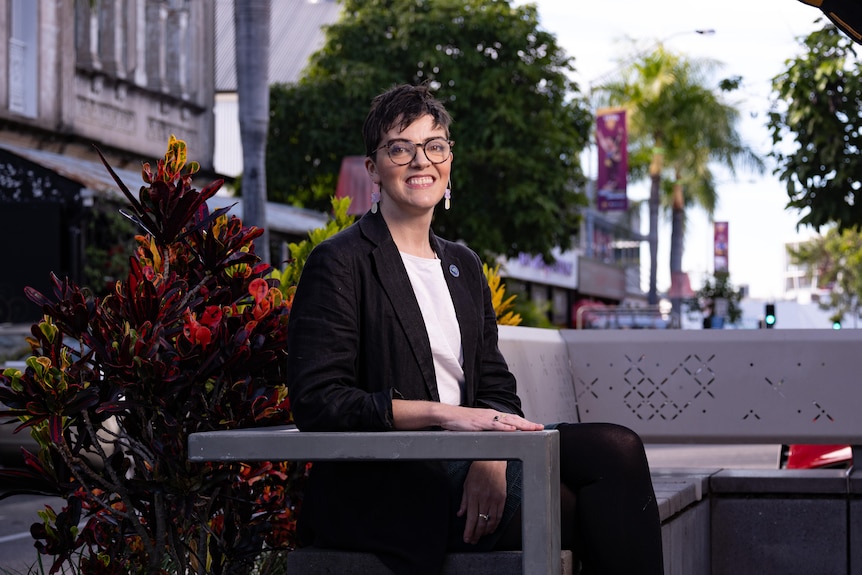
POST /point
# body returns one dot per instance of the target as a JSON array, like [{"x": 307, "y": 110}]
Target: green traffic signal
[{"x": 769, "y": 316}]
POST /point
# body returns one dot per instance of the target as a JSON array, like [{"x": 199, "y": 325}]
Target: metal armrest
[{"x": 538, "y": 450}]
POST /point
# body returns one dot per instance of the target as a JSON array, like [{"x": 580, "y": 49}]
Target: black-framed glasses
[{"x": 402, "y": 152}]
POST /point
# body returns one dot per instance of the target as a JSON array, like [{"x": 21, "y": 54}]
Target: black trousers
[{"x": 609, "y": 514}]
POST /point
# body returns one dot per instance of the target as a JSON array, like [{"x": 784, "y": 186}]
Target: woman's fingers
[
  {"x": 475, "y": 419},
  {"x": 484, "y": 499},
  {"x": 515, "y": 422}
]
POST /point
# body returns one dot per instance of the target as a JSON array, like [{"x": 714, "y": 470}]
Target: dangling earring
[
  {"x": 448, "y": 195},
  {"x": 375, "y": 198}
]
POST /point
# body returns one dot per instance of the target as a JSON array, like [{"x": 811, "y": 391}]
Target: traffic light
[
  {"x": 769, "y": 316},
  {"x": 836, "y": 324}
]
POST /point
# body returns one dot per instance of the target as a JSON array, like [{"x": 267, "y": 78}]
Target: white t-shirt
[{"x": 438, "y": 311}]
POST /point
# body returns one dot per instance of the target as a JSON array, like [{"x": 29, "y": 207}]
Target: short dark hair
[{"x": 401, "y": 105}]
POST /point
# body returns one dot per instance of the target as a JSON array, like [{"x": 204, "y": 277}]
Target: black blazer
[{"x": 356, "y": 340}]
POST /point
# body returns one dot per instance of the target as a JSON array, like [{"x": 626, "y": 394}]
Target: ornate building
[{"x": 120, "y": 74}]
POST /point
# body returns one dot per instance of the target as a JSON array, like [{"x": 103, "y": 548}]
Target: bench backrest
[
  {"x": 539, "y": 358},
  {"x": 695, "y": 386}
]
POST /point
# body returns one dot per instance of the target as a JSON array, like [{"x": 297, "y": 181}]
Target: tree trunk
[
  {"x": 655, "y": 188},
  {"x": 677, "y": 244},
  {"x": 251, "y": 21}
]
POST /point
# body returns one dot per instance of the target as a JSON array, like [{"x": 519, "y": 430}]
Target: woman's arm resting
[{"x": 408, "y": 415}]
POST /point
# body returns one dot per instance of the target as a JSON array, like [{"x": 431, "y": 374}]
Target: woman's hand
[
  {"x": 422, "y": 414},
  {"x": 484, "y": 499},
  {"x": 475, "y": 419}
]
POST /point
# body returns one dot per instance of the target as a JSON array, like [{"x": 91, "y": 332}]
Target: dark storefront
[{"x": 41, "y": 217}]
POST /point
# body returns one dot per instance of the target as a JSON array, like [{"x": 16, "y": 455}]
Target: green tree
[
  {"x": 834, "y": 262},
  {"x": 679, "y": 127},
  {"x": 816, "y": 126},
  {"x": 252, "y": 21},
  {"x": 519, "y": 125},
  {"x": 715, "y": 288}
]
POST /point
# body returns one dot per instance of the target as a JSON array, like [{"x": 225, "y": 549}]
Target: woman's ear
[{"x": 371, "y": 168}]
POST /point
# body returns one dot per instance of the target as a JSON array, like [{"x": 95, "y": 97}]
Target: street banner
[
  {"x": 720, "y": 239},
  {"x": 612, "y": 141}
]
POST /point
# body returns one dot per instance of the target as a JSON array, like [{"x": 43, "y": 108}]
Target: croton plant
[{"x": 192, "y": 340}]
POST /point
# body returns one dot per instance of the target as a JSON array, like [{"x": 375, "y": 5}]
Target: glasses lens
[
  {"x": 437, "y": 150},
  {"x": 402, "y": 152}
]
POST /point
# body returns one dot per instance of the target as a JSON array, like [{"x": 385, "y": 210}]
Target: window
[{"x": 23, "y": 63}]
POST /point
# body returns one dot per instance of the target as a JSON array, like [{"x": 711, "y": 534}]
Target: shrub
[
  {"x": 193, "y": 339},
  {"x": 503, "y": 306}
]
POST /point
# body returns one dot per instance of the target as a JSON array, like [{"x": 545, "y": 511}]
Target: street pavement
[{"x": 17, "y": 554}]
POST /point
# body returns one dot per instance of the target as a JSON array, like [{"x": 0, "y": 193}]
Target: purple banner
[
  {"x": 611, "y": 138},
  {"x": 720, "y": 244}
]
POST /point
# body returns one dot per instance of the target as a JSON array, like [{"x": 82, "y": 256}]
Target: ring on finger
[{"x": 485, "y": 516}]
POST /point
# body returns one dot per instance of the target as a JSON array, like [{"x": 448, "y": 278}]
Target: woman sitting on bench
[{"x": 393, "y": 327}]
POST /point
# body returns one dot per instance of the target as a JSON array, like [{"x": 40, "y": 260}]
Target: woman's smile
[{"x": 420, "y": 181}]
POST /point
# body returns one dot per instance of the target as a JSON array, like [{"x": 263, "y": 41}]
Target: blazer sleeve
[{"x": 324, "y": 346}]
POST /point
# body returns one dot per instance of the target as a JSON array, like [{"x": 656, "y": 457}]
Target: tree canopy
[
  {"x": 519, "y": 123},
  {"x": 715, "y": 288},
  {"x": 680, "y": 125},
  {"x": 817, "y": 114},
  {"x": 834, "y": 262}
]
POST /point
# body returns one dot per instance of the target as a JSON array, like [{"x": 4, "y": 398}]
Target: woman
[{"x": 393, "y": 328}]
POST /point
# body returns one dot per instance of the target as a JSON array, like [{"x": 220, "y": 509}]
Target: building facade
[
  {"x": 595, "y": 282},
  {"x": 122, "y": 75}
]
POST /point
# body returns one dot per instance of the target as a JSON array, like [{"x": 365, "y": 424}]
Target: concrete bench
[
  {"x": 736, "y": 387},
  {"x": 671, "y": 386}
]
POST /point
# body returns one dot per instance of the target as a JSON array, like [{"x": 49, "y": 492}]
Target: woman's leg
[
  {"x": 608, "y": 511},
  {"x": 616, "y": 522}
]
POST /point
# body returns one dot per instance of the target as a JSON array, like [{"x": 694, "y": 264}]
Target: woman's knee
[
  {"x": 607, "y": 445},
  {"x": 625, "y": 439}
]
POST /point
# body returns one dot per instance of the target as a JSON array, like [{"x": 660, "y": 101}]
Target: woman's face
[{"x": 418, "y": 186}]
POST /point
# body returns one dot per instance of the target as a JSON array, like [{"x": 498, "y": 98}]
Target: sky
[{"x": 752, "y": 39}]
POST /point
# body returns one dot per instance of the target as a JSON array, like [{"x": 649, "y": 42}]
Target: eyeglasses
[{"x": 402, "y": 152}]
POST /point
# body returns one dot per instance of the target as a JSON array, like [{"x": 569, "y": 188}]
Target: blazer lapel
[
  {"x": 396, "y": 285},
  {"x": 458, "y": 279}
]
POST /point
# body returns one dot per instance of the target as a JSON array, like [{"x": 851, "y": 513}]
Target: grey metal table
[{"x": 538, "y": 450}]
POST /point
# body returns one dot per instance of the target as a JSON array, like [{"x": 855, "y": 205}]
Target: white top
[{"x": 441, "y": 323}]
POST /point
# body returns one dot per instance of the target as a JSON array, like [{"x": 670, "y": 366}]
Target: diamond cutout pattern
[{"x": 652, "y": 393}]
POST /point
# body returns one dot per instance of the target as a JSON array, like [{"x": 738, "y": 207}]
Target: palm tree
[
  {"x": 677, "y": 128},
  {"x": 252, "y": 19}
]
